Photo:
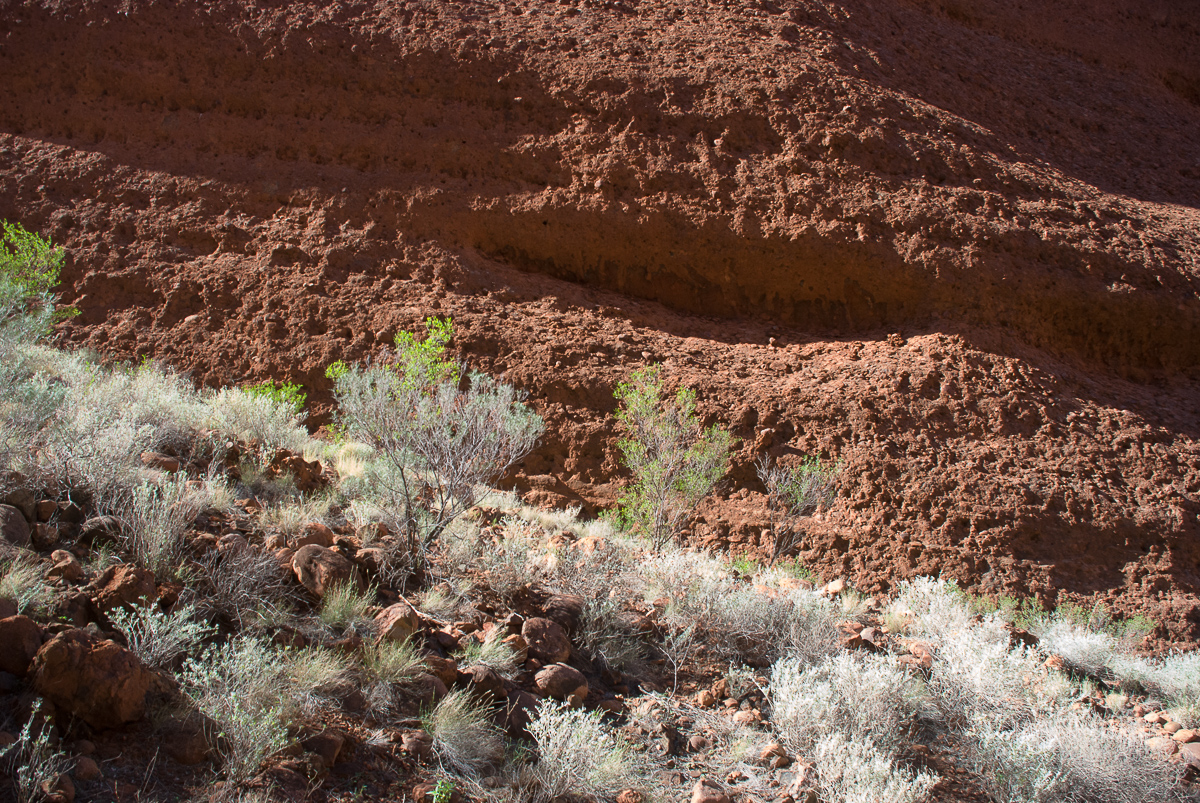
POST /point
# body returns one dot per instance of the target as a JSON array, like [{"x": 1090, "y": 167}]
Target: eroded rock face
[
  {"x": 984, "y": 308},
  {"x": 100, "y": 682}
]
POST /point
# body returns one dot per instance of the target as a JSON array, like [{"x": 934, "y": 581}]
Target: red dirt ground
[{"x": 953, "y": 245}]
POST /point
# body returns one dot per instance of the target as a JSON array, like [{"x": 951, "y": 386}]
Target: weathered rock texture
[{"x": 1011, "y": 190}]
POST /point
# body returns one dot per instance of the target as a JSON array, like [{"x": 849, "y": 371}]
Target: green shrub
[
  {"x": 29, "y": 269},
  {"x": 793, "y": 492},
  {"x": 285, "y": 394},
  {"x": 438, "y": 442},
  {"x": 675, "y": 462}
]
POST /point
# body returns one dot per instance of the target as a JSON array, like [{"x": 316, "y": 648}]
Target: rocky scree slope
[{"x": 970, "y": 233}]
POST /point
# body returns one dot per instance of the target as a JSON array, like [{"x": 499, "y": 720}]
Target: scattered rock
[
  {"x": 274, "y": 542},
  {"x": 696, "y": 743},
  {"x": 100, "y": 682},
  {"x": 20, "y": 497},
  {"x": 417, "y": 743},
  {"x": 58, "y": 790},
  {"x": 1190, "y": 754},
  {"x": 44, "y": 535},
  {"x": 834, "y": 587},
  {"x": 1055, "y": 662},
  {"x": 318, "y": 569},
  {"x": 566, "y": 610},
  {"x": 100, "y": 528},
  {"x": 124, "y": 585},
  {"x": 547, "y": 640},
  {"x": 160, "y": 461},
  {"x": 1155, "y": 718},
  {"x": 86, "y": 769},
  {"x": 185, "y": 743},
  {"x": 611, "y": 706},
  {"x": 708, "y": 791},
  {"x": 397, "y": 622},
  {"x": 66, "y": 566},
  {"x": 326, "y": 746},
  {"x": 705, "y": 699},
  {"x": 232, "y": 543},
  {"x": 315, "y": 533},
  {"x": 371, "y": 559},
  {"x": 424, "y": 793},
  {"x": 747, "y": 717},
  {"x": 562, "y": 682},
  {"x": 516, "y": 643},
  {"x": 485, "y": 683},
  {"x": 1186, "y": 736},
  {"x": 445, "y": 669},
  {"x": 923, "y": 652},
  {"x": 13, "y": 526},
  {"x": 1162, "y": 745},
  {"x": 521, "y": 708},
  {"x": 770, "y": 751},
  {"x": 306, "y": 474},
  {"x": 20, "y": 638},
  {"x": 1171, "y": 728},
  {"x": 630, "y": 796},
  {"x": 45, "y": 509}
]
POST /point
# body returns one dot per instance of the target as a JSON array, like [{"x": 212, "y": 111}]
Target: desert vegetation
[{"x": 203, "y": 601}]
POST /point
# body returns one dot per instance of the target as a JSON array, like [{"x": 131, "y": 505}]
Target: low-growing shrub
[
  {"x": 491, "y": 652},
  {"x": 158, "y": 638},
  {"x": 793, "y": 492},
  {"x": 155, "y": 518},
  {"x": 1069, "y": 759},
  {"x": 864, "y": 697},
  {"x": 34, "y": 759},
  {"x": 344, "y": 605},
  {"x": 437, "y": 442},
  {"x": 242, "y": 586},
  {"x": 464, "y": 738},
  {"x": 22, "y": 580},
  {"x": 238, "y": 688},
  {"x": 737, "y": 620},
  {"x": 852, "y": 771},
  {"x": 578, "y": 755}
]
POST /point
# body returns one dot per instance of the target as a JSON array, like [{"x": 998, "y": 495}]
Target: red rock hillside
[{"x": 953, "y": 245}]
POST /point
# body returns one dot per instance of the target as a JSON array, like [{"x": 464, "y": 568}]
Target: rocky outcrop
[{"x": 101, "y": 682}]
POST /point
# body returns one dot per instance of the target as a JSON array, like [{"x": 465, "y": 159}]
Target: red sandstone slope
[{"x": 253, "y": 189}]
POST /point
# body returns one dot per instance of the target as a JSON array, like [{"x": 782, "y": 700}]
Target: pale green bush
[
  {"x": 851, "y": 771},
  {"x": 578, "y": 755},
  {"x": 464, "y": 738},
  {"x": 866, "y": 698},
  {"x": 159, "y": 638}
]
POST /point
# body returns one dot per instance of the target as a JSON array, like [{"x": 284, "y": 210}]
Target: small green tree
[
  {"x": 675, "y": 462},
  {"x": 794, "y": 492},
  {"x": 287, "y": 394},
  {"x": 29, "y": 270},
  {"x": 441, "y": 438}
]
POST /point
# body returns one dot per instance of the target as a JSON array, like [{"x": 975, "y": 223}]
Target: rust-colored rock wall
[{"x": 253, "y": 189}]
